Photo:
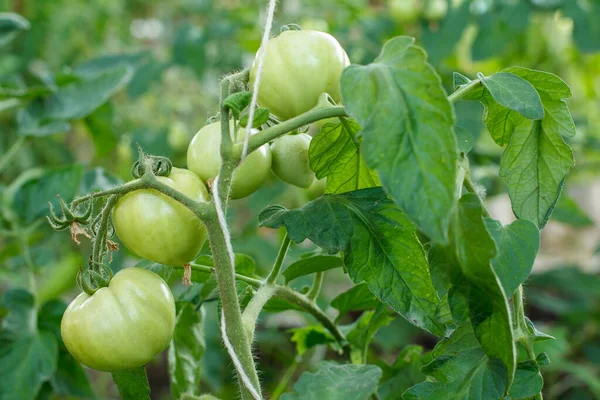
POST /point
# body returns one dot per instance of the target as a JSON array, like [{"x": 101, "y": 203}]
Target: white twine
[
  {"x": 236, "y": 361},
  {"x": 219, "y": 207},
  {"x": 260, "y": 57}
]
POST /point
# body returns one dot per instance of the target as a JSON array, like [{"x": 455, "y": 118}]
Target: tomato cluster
[{"x": 125, "y": 324}]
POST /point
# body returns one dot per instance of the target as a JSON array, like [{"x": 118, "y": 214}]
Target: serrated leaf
[
  {"x": 569, "y": 212},
  {"x": 379, "y": 244},
  {"x": 79, "y": 99},
  {"x": 407, "y": 126},
  {"x": 310, "y": 336},
  {"x": 358, "y": 298},
  {"x": 489, "y": 311},
  {"x": 132, "y": 384},
  {"x": 335, "y": 154},
  {"x": 28, "y": 355},
  {"x": 365, "y": 328},
  {"x": 186, "y": 350},
  {"x": 336, "y": 382},
  {"x": 310, "y": 265},
  {"x": 11, "y": 25},
  {"x": 514, "y": 93},
  {"x": 517, "y": 244},
  {"x": 462, "y": 370},
  {"x": 404, "y": 374}
]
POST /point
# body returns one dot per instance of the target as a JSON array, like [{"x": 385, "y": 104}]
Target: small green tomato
[{"x": 290, "y": 160}]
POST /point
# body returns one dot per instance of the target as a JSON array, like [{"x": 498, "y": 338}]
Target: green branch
[{"x": 463, "y": 90}]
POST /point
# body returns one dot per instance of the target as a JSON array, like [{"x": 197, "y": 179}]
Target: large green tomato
[
  {"x": 158, "y": 228},
  {"x": 298, "y": 67},
  {"x": 122, "y": 326},
  {"x": 204, "y": 158},
  {"x": 290, "y": 160}
]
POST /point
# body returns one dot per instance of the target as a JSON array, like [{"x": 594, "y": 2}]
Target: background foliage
[{"x": 83, "y": 81}]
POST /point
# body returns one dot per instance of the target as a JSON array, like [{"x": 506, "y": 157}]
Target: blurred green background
[{"x": 165, "y": 59}]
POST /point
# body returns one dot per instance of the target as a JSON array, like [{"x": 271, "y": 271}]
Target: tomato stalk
[
  {"x": 461, "y": 91},
  {"x": 315, "y": 289}
]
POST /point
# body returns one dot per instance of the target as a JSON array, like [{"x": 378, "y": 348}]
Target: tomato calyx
[
  {"x": 69, "y": 216},
  {"x": 157, "y": 165},
  {"x": 290, "y": 27},
  {"x": 95, "y": 277}
]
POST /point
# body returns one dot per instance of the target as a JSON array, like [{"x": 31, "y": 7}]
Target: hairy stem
[
  {"x": 100, "y": 239},
  {"x": 458, "y": 94},
  {"x": 225, "y": 275},
  {"x": 315, "y": 289},
  {"x": 472, "y": 189},
  {"x": 257, "y": 283},
  {"x": 274, "y": 274},
  {"x": 301, "y": 120}
]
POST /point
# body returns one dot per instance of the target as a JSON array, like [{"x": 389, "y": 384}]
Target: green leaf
[
  {"x": 186, "y": 350},
  {"x": 477, "y": 282},
  {"x": 11, "y": 25},
  {"x": 306, "y": 266},
  {"x": 335, "y": 154},
  {"x": 586, "y": 31},
  {"x": 462, "y": 370},
  {"x": 31, "y": 122},
  {"x": 97, "y": 179},
  {"x": 261, "y": 116},
  {"x": 132, "y": 384},
  {"x": 99, "y": 126},
  {"x": 407, "y": 126},
  {"x": 237, "y": 102},
  {"x": 441, "y": 39},
  {"x": 70, "y": 378},
  {"x": 568, "y": 212},
  {"x": 28, "y": 356},
  {"x": 404, "y": 374},
  {"x": 537, "y": 159},
  {"x": 364, "y": 329},
  {"x": 37, "y": 187},
  {"x": 514, "y": 93},
  {"x": 517, "y": 244},
  {"x": 534, "y": 334},
  {"x": 79, "y": 99},
  {"x": 164, "y": 271},
  {"x": 310, "y": 336},
  {"x": 336, "y": 382},
  {"x": 358, "y": 298},
  {"x": 464, "y": 140},
  {"x": 379, "y": 244}
]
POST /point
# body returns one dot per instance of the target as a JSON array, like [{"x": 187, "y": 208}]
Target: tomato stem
[
  {"x": 463, "y": 90},
  {"x": 274, "y": 274},
  {"x": 315, "y": 289}
]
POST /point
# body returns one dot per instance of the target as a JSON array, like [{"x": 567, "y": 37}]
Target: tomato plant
[
  {"x": 137, "y": 319},
  {"x": 426, "y": 232},
  {"x": 204, "y": 159}
]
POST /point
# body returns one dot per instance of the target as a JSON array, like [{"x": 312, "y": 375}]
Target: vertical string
[
  {"x": 260, "y": 58},
  {"x": 219, "y": 207}
]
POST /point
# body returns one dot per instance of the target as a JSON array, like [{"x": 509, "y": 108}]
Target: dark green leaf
[
  {"x": 365, "y": 328},
  {"x": 103, "y": 64},
  {"x": 99, "y": 126},
  {"x": 517, "y": 244},
  {"x": 568, "y": 211},
  {"x": 478, "y": 283},
  {"x": 28, "y": 356},
  {"x": 462, "y": 370},
  {"x": 306, "y": 266},
  {"x": 586, "y": 30},
  {"x": 79, "y": 99},
  {"x": 97, "y": 179},
  {"x": 336, "y": 382},
  {"x": 440, "y": 40},
  {"x": 11, "y": 25},
  {"x": 359, "y": 298},
  {"x": 407, "y": 125},
  {"x": 514, "y": 93},
  {"x": 70, "y": 378},
  {"x": 459, "y": 80},
  {"x": 404, "y": 374},
  {"x": 186, "y": 350},
  {"x": 534, "y": 334},
  {"x": 237, "y": 102},
  {"x": 132, "y": 384},
  {"x": 310, "y": 336},
  {"x": 261, "y": 116},
  {"x": 334, "y": 154},
  {"x": 379, "y": 244},
  {"x": 31, "y": 122}
]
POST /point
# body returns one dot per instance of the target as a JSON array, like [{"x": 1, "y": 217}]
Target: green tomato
[
  {"x": 178, "y": 137},
  {"x": 298, "y": 67},
  {"x": 317, "y": 189},
  {"x": 204, "y": 158},
  {"x": 158, "y": 228},
  {"x": 122, "y": 326},
  {"x": 290, "y": 160},
  {"x": 435, "y": 10},
  {"x": 405, "y": 11}
]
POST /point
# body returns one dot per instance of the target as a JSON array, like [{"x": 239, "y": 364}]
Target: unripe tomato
[
  {"x": 406, "y": 11},
  {"x": 435, "y": 10},
  {"x": 298, "y": 67},
  {"x": 178, "y": 137},
  {"x": 317, "y": 189},
  {"x": 158, "y": 228},
  {"x": 204, "y": 158},
  {"x": 122, "y": 326},
  {"x": 290, "y": 160}
]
